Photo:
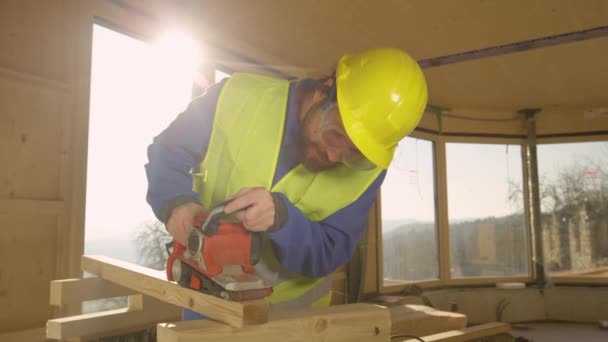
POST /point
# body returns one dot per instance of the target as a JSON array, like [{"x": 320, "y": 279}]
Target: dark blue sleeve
[
  {"x": 316, "y": 249},
  {"x": 178, "y": 150}
]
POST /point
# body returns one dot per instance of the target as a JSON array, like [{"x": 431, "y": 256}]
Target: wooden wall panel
[
  {"x": 27, "y": 252},
  {"x": 32, "y": 38},
  {"x": 36, "y": 96},
  {"x": 30, "y": 137},
  {"x": 577, "y": 304}
]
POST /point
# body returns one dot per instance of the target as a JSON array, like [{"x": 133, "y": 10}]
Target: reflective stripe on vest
[{"x": 243, "y": 151}]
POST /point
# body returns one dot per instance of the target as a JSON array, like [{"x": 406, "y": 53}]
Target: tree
[{"x": 150, "y": 240}]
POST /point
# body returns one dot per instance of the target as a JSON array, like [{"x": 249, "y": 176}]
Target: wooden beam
[
  {"x": 30, "y": 207},
  {"x": 350, "y": 322},
  {"x": 28, "y": 335},
  {"x": 420, "y": 320},
  {"x": 145, "y": 312},
  {"x": 75, "y": 291},
  {"x": 153, "y": 283},
  {"x": 467, "y": 334},
  {"x": 443, "y": 225}
]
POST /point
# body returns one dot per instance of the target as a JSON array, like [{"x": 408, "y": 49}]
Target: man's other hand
[
  {"x": 181, "y": 219},
  {"x": 259, "y": 214}
]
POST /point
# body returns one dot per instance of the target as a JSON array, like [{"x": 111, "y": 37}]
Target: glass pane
[
  {"x": 137, "y": 89},
  {"x": 409, "y": 234},
  {"x": 486, "y": 210},
  {"x": 574, "y": 188},
  {"x": 220, "y": 75}
]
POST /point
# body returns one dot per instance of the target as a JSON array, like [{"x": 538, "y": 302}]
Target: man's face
[
  {"x": 323, "y": 142},
  {"x": 312, "y": 152}
]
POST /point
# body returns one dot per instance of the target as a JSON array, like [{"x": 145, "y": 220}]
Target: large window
[
  {"x": 573, "y": 181},
  {"x": 137, "y": 89},
  {"x": 486, "y": 210},
  {"x": 409, "y": 230}
]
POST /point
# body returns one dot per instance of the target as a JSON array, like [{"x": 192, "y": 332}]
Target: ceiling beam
[{"x": 521, "y": 46}]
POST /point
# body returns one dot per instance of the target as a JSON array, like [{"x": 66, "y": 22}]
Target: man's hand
[
  {"x": 181, "y": 219},
  {"x": 260, "y": 212}
]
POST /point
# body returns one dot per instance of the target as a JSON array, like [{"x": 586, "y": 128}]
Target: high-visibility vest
[{"x": 243, "y": 151}]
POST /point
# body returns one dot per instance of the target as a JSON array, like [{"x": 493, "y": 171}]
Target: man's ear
[
  {"x": 321, "y": 92},
  {"x": 329, "y": 82}
]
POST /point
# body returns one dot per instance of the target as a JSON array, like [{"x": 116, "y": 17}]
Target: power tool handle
[{"x": 212, "y": 222}]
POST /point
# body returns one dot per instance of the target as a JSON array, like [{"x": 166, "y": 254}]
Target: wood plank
[
  {"x": 147, "y": 311},
  {"x": 154, "y": 283},
  {"x": 27, "y": 206},
  {"x": 370, "y": 272},
  {"x": 28, "y": 77},
  {"x": 467, "y": 334},
  {"x": 75, "y": 291},
  {"x": 597, "y": 271},
  {"x": 420, "y": 320},
  {"x": 443, "y": 225},
  {"x": 26, "y": 269},
  {"x": 350, "y": 322},
  {"x": 580, "y": 280},
  {"x": 28, "y": 335}
]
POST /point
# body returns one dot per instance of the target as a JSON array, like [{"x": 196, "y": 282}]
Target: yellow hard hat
[{"x": 381, "y": 95}]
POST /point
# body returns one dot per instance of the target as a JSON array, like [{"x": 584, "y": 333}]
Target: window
[
  {"x": 137, "y": 89},
  {"x": 486, "y": 210},
  {"x": 220, "y": 75},
  {"x": 409, "y": 230},
  {"x": 573, "y": 181}
]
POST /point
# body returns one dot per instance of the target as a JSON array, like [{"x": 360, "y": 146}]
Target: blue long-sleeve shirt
[{"x": 310, "y": 248}]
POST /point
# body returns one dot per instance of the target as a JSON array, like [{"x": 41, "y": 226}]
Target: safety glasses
[{"x": 333, "y": 136}]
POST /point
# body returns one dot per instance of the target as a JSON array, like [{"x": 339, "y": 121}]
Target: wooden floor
[{"x": 558, "y": 332}]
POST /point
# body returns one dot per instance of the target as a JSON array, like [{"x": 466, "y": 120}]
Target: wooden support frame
[
  {"x": 142, "y": 311},
  {"x": 467, "y": 334},
  {"x": 153, "y": 283},
  {"x": 349, "y": 322},
  {"x": 73, "y": 291},
  {"x": 151, "y": 299}
]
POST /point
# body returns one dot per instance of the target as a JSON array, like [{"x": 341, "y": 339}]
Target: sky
[{"x": 138, "y": 88}]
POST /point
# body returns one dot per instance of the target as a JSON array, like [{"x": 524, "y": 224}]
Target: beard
[{"x": 309, "y": 152}]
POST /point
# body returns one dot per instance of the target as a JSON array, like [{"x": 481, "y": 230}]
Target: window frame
[
  {"x": 441, "y": 212},
  {"x": 565, "y": 139}
]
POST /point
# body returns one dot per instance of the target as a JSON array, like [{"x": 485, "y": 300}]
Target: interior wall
[
  {"x": 45, "y": 64},
  {"x": 568, "y": 304},
  {"x": 36, "y": 99}
]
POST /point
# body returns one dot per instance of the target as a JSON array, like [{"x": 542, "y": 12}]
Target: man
[{"x": 305, "y": 158}]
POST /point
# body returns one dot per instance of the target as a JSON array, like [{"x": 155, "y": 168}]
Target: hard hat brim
[{"x": 364, "y": 141}]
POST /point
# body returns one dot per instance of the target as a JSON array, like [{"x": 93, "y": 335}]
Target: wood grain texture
[
  {"x": 71, "y": 291},
  {"x": 27, "y": 253},
  {"x": 153, "y": 283},
  {"x": 30, "y": 136},
  {"x": 25, "y": 206},
  {"x": 420, "y": 320},
  {"x": 467, "y": 334},
  {"x": 27, "y": 335},
  {"x": 351, "y": 322},
  {"x": 145, "y": 312}
]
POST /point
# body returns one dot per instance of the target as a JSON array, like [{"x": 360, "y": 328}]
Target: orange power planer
[{"x": 219, "y": 259}]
